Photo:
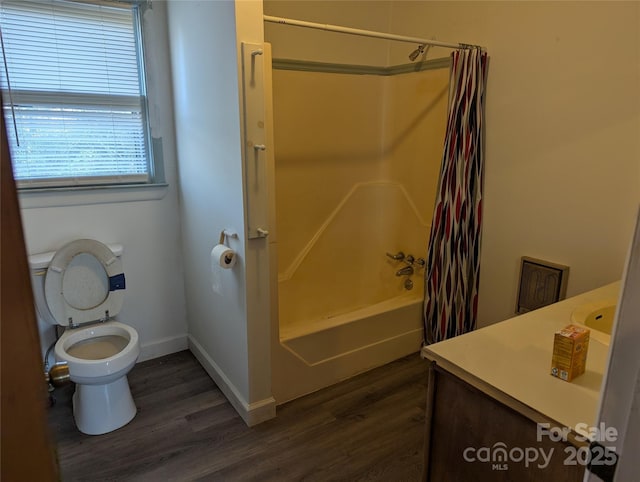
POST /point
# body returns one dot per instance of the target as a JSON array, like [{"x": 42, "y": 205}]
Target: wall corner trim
[{"x": 252, "y": 413}]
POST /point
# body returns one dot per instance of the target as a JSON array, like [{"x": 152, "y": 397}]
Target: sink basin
[
  {"x": 601, "y": 319},
  {"x": 598, "y": 316}
]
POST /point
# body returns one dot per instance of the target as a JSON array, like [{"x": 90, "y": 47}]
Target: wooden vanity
[{"x": 494, "y": 412}]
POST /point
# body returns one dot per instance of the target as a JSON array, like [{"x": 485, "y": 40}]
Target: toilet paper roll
[{"x": 223, "y": 256}]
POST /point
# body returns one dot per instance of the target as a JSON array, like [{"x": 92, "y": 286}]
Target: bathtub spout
[{"x": 407, "y": 270}]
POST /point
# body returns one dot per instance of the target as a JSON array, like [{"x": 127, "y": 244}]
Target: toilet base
[{"x": 99, "y": 409}]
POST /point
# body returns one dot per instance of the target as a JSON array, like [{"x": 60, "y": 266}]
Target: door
[
  {"x": 26, "y": 449},
  {"x": 619, "y": 408}
]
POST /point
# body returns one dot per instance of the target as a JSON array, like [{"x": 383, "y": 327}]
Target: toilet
[{"x": 81, "y": 287}]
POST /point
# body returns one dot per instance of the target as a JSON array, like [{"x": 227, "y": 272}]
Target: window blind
[{"x": 77, "y": 92}]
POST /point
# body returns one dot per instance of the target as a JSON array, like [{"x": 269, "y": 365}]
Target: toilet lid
[{"x": 84, "y": 282}]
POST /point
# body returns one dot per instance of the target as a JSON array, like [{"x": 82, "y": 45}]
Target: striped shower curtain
[{"x": 453, "y": 267}]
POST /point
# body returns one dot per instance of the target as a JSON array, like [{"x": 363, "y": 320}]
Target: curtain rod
[{"x": 366, "y": 33}]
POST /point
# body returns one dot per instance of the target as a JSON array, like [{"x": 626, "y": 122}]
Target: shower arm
[{"x": 367, "y": 33}]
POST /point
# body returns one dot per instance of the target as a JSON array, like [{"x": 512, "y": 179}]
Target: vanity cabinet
[{"x": 476, "y": 433}]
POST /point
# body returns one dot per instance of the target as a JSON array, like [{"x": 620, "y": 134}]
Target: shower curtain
[{"x": 453, "y": 267}]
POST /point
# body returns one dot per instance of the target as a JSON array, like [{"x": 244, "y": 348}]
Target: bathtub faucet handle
[
  {"x": 399, "y": 256},
  {"x": 406, "y": 271}
]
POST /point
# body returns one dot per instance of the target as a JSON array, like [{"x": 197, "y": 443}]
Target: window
[{"x": 73, "y": 90}]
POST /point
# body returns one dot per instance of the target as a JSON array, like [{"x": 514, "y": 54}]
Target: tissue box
[{"x": 570, "y": 346}]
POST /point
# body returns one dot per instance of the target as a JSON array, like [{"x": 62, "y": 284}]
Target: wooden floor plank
[{"x": 367, "y": 428}]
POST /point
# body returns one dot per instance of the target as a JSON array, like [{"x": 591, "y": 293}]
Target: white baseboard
[
  {"x": 162, "y": 347},
  {"x": 252, "y": 413}
]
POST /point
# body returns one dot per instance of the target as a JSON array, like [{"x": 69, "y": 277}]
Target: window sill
[{"x": 84, "y": 195}]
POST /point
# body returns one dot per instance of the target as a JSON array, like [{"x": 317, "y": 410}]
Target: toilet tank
[{"x": 38, "y": 264}]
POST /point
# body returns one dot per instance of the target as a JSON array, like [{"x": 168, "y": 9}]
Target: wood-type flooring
[{"x": 367, "y": 428}]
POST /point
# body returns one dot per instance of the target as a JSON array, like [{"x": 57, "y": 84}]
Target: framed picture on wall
[{"x": 541, "y": 283}]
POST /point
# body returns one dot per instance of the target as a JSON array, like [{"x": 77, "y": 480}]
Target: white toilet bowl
[
  {"x": 99, "y": 358},
  {"x": 82, "y": 290},
  {"x": 99, "y": 353}
]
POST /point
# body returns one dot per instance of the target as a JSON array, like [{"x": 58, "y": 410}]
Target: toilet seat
[{"x": 84, "y": 283}]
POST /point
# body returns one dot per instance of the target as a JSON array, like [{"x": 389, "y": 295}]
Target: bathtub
[
  {"x": 342, "y": 307},
  {"x": 392, "y": 322},
  {"x": 312, "y": 356}
]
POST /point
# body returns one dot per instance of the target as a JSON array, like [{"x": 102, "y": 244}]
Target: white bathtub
[
  {"x": 343, "y": 346},
  {"x": 395, "y": 321},
  {"x": 342, "y": 308}
]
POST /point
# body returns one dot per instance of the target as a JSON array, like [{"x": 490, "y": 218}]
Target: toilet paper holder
[{"x": 227, "y": 233}]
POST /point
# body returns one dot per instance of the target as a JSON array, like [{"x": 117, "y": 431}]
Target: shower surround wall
[{"x": 357, "y": 159}]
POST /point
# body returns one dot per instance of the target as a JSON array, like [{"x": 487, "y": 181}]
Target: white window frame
[{"x": 61, "y": 191}]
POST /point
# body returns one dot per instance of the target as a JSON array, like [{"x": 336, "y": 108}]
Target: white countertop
[{"x": 514, "y": 357}]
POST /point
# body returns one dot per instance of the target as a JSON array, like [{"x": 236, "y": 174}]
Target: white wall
[
  {"x": 149, "y": 230},
  {"x": 224, "y": 332},
  {"x": 321, "y": 46},
  {"x": 563, "y": 145}
]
